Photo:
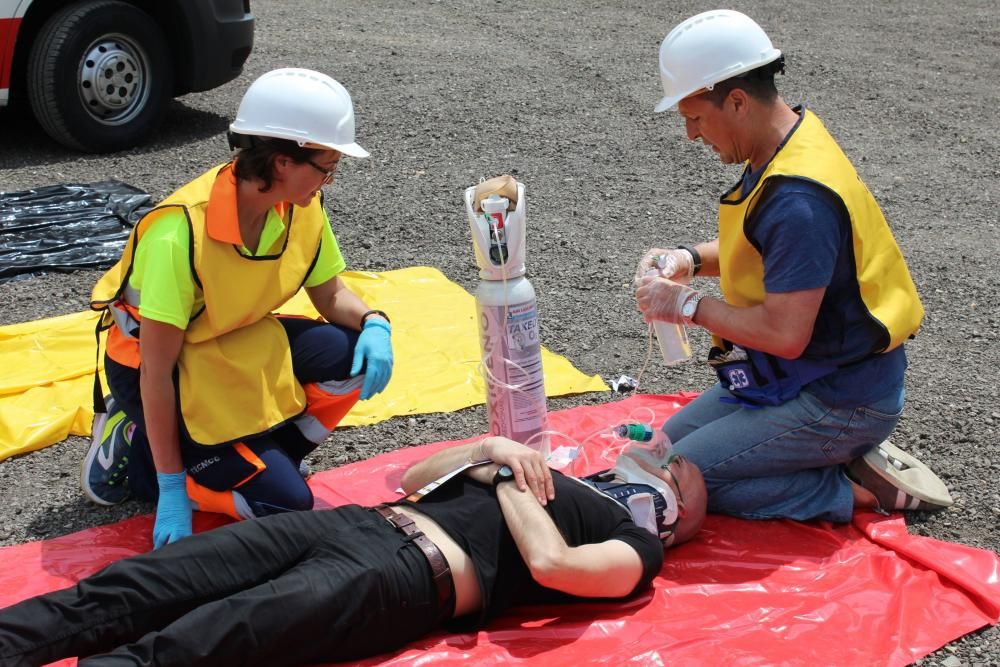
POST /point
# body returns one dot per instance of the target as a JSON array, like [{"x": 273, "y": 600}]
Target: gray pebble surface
[{"x": 560, "y": 94}]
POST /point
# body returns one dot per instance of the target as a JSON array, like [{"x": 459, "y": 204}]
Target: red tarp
[{"x": 742, "y": 593}]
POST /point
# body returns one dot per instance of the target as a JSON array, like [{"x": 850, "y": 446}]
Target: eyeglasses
[
  {"x": 666, "y": 466},
  {"x": 327, "y": 173}
]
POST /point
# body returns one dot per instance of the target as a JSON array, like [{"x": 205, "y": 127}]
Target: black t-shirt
[{"x": 470, "y": 513}]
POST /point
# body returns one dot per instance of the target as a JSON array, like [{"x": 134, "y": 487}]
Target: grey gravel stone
[{"x": 561, "y": 95}]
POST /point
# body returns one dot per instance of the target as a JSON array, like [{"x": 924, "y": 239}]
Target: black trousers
[{"x": 287, "y": 589}]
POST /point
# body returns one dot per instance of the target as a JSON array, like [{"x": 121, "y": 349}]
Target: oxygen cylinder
[{"x": 508, "y": 315}]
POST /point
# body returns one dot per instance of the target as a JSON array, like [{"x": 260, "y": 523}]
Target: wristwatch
[
  {"x": 695, "y": 258},
  {"x": 504, "y": 474},
  {"x": 690, "y": 307},
  {"x": 380, "y": 313}
]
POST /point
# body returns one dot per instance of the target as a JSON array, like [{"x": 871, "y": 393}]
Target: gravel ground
[{"x": 561, "y": 96}]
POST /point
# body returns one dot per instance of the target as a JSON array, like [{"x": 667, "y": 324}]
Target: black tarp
[{"x": 67, "y": 227}]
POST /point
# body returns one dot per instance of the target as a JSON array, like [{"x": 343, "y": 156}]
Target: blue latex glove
[
  {"x": 173, "y": 509},
  {"x": 374, "y": 349}
]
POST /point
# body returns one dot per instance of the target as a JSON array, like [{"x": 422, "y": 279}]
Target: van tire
[{"x": 100, "y": 76}]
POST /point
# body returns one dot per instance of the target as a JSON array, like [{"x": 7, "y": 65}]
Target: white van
[{"x": 99, "y": 74}]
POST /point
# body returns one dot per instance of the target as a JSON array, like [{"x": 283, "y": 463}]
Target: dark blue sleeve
[{"x": 798, "y": 228}]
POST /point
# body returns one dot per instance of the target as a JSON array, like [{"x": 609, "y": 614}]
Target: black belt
[{"x": 440, "y": 570}]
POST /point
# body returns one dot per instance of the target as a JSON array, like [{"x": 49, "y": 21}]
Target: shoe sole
[{"x": 925, "y": 486}]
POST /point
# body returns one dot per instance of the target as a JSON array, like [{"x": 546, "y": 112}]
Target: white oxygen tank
[{"x": 508, "y": 316}]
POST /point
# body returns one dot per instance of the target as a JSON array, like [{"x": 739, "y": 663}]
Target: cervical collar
[{"x": 648, "y": 499}]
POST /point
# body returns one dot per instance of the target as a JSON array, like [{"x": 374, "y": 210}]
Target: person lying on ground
[{"x": 350, "y": 582}]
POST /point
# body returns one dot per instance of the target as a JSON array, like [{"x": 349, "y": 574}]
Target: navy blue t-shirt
[{"x": 803, "y": 233}]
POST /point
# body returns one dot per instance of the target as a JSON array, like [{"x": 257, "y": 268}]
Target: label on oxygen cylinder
[
  {"x": 498, "y": 238},
  {"x": 512, "y": 354}
]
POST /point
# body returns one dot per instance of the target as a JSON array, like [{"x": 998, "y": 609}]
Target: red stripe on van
[{"x": 8, "y": 34}]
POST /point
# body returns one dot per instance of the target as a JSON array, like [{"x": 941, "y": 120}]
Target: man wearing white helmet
[
  {"x": 808, "y": 341},
  {"x": 214, "y": 400}
]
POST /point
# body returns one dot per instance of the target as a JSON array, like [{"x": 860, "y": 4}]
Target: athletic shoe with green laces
[{"x": 104, "y": 474}]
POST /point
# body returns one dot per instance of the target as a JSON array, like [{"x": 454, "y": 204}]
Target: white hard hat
[
  {"x": 301, "y": 105},
  {"x": 709, "y": 48}
]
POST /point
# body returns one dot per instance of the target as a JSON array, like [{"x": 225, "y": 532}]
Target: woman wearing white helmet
[
  {"x": 214, "y": 400},
  {"x": 817, "y": 301}
]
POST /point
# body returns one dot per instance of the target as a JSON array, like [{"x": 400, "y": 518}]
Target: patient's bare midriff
[{"x": 467, "y": 596}]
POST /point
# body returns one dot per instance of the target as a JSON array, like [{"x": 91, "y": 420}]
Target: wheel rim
[{"x": 114, "y": 79}]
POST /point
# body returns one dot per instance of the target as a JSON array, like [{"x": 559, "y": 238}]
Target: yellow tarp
[{"x": 47, "y": 366}]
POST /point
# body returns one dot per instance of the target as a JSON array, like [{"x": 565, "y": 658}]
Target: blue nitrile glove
[
  {"x": 374, "y": 349},
  {"x": 173, "y": 509}
]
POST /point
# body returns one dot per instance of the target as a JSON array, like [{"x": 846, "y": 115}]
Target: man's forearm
[
  {"x": 709, "y": 252},
  {"x": 782, "y": 325},
  {"x": 608, "y": 569},
  {"x": 441, "y": 463},
  {"x": 533, "y": 530}
]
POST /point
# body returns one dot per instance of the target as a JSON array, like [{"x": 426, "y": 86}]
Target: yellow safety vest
[
  {"x": 810, "y": 153},
  {"x": 887, "y": 291},
  {"x": 235, "y": 377}
]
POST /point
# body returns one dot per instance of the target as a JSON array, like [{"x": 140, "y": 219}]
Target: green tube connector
[{"x": 635, "y": 432}]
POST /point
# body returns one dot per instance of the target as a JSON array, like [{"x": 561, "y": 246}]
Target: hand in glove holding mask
[
  {"x": 662, "y": 299},
  {"x": 674, "y": 263}
]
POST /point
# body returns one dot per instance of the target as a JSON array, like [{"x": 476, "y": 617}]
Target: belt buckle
[{"x": 393, "y": 519}]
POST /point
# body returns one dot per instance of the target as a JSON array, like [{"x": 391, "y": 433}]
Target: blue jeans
[{"x": 779, "y": 461}]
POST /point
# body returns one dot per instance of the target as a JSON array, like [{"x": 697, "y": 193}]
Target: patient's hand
[{"x": 530, "y": 469}]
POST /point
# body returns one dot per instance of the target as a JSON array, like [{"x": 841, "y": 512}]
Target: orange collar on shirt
[{"x": 221, "y": 220}]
